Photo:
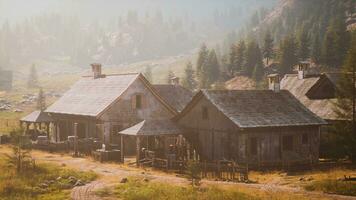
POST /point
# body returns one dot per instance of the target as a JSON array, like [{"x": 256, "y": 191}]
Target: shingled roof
[
  {"x": 324, "y": 108},
  {"x": 259, "y": 108},
  {"x": 240, "y": 82},
  {"x": 175, "y": 95},
  {"x": 91, "y": 97},
  {"x": 37, "y": 117},
  {"x": 153, "y": 128}
]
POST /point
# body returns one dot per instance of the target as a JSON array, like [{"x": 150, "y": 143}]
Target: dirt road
[{"x": 111, "y": 174}]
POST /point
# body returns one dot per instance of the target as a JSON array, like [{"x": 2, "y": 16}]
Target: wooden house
[
  {"x": 314, "y": 90},
  {"x": 103, "y": 105},
  {"x": 259, "y": 127}
]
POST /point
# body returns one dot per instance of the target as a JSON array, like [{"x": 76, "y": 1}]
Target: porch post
[
  {"x": 122, "y": 148},
  {"x": 138, "y": 150}
]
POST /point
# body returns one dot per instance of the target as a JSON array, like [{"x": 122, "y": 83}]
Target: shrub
[{"x": 333, "y": 186}]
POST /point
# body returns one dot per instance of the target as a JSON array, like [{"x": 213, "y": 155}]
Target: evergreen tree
[
  {"x": 336, "y": 42},
  {"x": 32, "y": 81},
  {"x": 287, "y": 55},
  {"x": 213, "y": 67},
  {"x": 303, "y": 45},
  {"x": 346, "y": 132},
  {"x": 268, "y": 47},
  {"x": 41, "y": 101},
  {"x": 232, "y": 67},
  {"x": 253, "y": 56},
  {"x": 189, "y": 78},
  {"x": 210, "y": 71},
  {"x": 316, "y": 50},
  {"x": 258, "y": 72},
  {"x": 202, "y": 59},
  {"x": 240, "y": 55}
]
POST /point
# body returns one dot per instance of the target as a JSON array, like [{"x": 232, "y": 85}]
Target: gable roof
[
  {"x": 301, "y": 88},
  {"x": 258, "y": 108},
  {"x": 175, "y": 95},
  {"x": 91, "y": 97},
  {"x": 37, "y": 117},
  {"x": 240, "y": 82}
]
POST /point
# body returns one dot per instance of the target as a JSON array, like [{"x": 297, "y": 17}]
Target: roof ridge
[{"x": 116, "y": 74}]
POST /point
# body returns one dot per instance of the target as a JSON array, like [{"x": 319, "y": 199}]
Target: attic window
[
  {"x": 138, "y": 101},
  {"x": 205, "y": 113}
]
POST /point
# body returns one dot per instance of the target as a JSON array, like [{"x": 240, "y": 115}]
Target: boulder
[{"x": 124, "y": 180}]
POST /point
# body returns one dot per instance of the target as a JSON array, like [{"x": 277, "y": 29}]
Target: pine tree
[
  {"x": 287, "y": 55},
  {"x": 303, "y": 46},
  {"x": 41, "y": 101},
  {"x": 240, "y": 55},
  {"x": 268, "y": 47},
  {"x": 213, "y": 67},
  {"x": 336, "y": 42},
  {"x": 32, "y": 81},
  {"x": 316, "y": 50},
  {"x": 345, "y": 105},
  {"x": 258, "y": 71},
  {"x": 253, "y": 56},
  {"x": 189, "y": 78},
  {"x": 202, "y": 58},
  {"x": 232, "y": 66},
  {"x": 210, "y": 71}
]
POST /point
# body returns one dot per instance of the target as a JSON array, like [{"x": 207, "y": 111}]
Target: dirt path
[{"x": 111, "y": 174}]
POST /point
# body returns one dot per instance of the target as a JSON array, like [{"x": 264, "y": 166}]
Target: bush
[
  {"x": 194, "y": 172},
  {"x": 333, "y": 186}
]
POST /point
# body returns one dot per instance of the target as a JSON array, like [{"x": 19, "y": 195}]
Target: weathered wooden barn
[
  {"x": 259, "y": 127},
  {"x": 102, "y": 105}
]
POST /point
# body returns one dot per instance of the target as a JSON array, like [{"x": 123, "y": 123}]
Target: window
[
  {"x": 205, "y": 113},
  {"x": 305, "y": 139},
  {"x": 253, "y": 146},
  {"x": 138, "y": 101},
  {"x": 288, "y": 143}
]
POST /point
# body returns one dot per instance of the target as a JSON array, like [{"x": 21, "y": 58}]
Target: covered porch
[
  {"x": 37, "y": 123},
  {"x": 158, "y": 143}
]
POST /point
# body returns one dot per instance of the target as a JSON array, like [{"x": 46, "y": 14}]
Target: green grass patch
[
  {"x": 29, "y": 184},
  {"x": 333, "y": 187},
  {"x": 136, "y": 189}
]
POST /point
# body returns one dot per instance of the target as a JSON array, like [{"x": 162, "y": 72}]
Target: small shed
[
  {"x": 157, "y": 136},
  {"x": 37, "y": 118}
]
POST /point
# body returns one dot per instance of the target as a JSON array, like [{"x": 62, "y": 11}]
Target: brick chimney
[
  {"x": 303, "y": 68},
  {"x": 274, "y": 82},
  {"x": 175, "y": 80},
  {"x": 96, "y": 69}
]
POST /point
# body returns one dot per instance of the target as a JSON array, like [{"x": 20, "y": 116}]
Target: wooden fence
[{"x": 7, "y": 125}]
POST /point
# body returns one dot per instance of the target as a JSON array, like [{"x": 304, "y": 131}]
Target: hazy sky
[{"x": 17, "y": 9}]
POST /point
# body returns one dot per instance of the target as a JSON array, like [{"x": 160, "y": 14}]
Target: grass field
[{"x": 27, "y": 185}]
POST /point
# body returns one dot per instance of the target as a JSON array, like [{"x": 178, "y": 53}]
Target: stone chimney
[
  {"x": 175, "y": 80},
  {"x": 274, "y": 82},
  {"x": 303, "y": 68},
  {"x": 96, "y": 69}
]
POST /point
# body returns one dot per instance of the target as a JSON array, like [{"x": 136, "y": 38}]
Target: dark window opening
[
  {"x": 253, "y": 146},
  {"x": 305, "y": 139},
  {"x": 205, "y": 113},
  {"x": 288, "y": 143},
  {"x": 138, "y": 101}
]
